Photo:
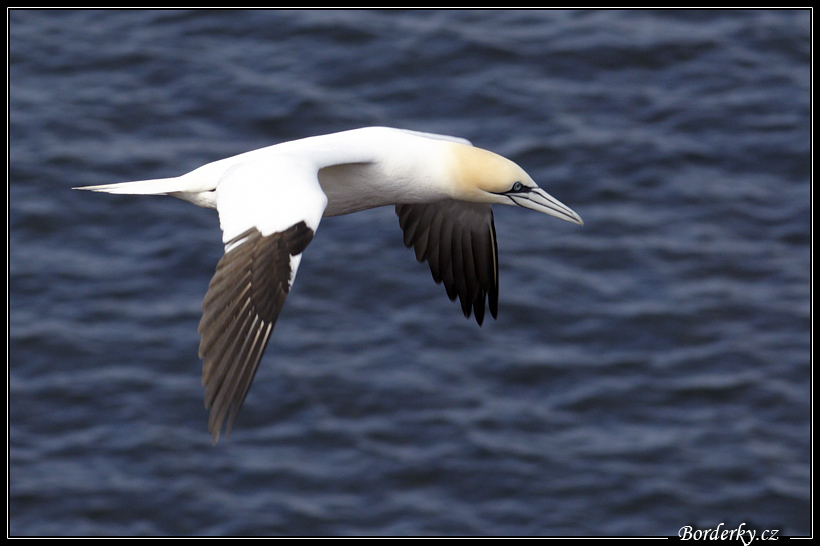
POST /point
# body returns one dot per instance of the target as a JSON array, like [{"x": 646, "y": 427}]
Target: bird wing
[
  {"x": 268, "y": 218},
  {"x": 436, "y": 136},
  {"x": 457, "y": 239}
]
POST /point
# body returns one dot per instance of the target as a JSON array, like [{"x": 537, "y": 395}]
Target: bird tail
[{"x": 157, "y": 186}]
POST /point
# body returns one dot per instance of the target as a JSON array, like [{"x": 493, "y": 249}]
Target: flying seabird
[{"x": 270, "y": 202}]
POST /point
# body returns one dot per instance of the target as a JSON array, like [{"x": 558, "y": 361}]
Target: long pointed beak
[{"x": 538, "y": 199}]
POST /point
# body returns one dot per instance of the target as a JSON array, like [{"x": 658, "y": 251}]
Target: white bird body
[{"x": 270, "y": 202}]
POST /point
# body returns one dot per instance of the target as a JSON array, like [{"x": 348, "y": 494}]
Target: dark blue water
[{"x": 648, "y": 371}]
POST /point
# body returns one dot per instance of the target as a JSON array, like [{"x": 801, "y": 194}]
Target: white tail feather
[{"x": 157, "y": 186}]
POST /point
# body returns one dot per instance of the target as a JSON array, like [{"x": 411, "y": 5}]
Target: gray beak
[{"x": 538, "y": 199}]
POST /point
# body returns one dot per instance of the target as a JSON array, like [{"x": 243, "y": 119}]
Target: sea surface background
[{"x": 647, "y": 371}]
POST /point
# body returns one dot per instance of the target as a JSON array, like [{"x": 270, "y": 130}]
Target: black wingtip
[
  {"x": 244, "y": 298},
  {"x": 457, "y": 239}
]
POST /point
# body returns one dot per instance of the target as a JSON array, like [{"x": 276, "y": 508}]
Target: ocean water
[{"x": 647, "y": 371}]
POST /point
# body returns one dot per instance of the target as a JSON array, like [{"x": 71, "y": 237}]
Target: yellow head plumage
[{"x": 482, "y": 176}]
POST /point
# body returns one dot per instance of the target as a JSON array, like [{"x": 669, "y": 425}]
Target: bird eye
[{"x": 518, "y": 186}]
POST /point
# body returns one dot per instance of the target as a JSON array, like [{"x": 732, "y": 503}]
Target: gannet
[{"x": 270, "y": 202}]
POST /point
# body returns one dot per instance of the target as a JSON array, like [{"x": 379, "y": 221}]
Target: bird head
[{"x": 482, "y": 176}]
